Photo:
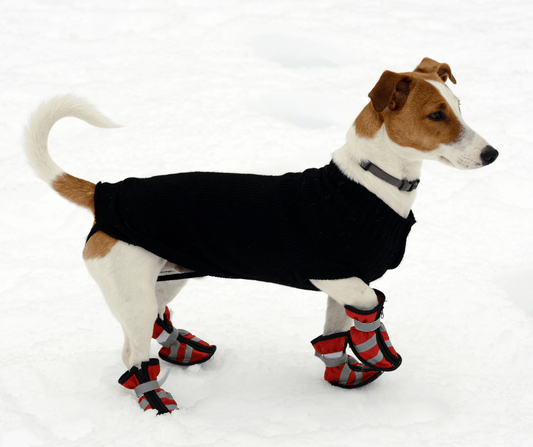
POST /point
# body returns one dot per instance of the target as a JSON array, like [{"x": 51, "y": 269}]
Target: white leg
[
  {"x": 352, "y": 291},
  {"x": 336, "y": 318},
  {"x": 127, "y": 276},
  {"x": 166, "y": 291}
]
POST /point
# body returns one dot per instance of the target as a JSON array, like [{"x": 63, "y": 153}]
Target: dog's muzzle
[{"x": 488, "y": 155}]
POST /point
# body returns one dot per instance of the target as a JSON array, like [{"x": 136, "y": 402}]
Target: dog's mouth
[{"x": 446, "y": 161}]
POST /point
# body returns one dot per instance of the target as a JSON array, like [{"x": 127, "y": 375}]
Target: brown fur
[
  {"x": 427, "y": 135},
  {"x": 77, "y": 190},
  {"x": 368, "y": 122},
  {"x": 81, "y": 192},
  {"x": 430, "y": 66},
  {"x": 400, "y": 99},
  {"x": 98, "y": 246},
  {"x": 391, "y": 91}
]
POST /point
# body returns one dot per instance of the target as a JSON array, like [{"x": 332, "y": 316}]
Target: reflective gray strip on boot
[
  {"x": 174, "y": 348},
  {"x": 188, "y": 354},
  {"x": 162, "y": 395},
  {"x": 172, "y": 337},
  {"x": 333, "y": 361},
  {"x": 387, "y": 342},
  {"x": 343, "y": 380},
  {"x": 145, "y": 387},
  {"x": 174, "y": 352},
  {"x": 188, "y": 350},
  {"x": 144, "y": 403},
  {"x": 358, "y": 377},
  {"x": 174, "y": 345},
  {"x": 184, "y": 333},
  {"x": 345, "y": 375},
  {"x": 378, "y": 358},
  {"x": 369, "y": 344},
  {"x": 367, "y": 327}
]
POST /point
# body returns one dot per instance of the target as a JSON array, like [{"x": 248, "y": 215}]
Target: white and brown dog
[{"x": 333, "y": 229}]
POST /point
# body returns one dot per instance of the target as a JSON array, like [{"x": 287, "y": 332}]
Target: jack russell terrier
[{"x": 334, "y": 229}]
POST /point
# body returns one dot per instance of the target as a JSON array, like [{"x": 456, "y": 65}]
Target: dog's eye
[{"x": 437, "y": 116}]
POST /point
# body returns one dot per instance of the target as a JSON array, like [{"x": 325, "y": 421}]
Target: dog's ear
[
  {"x": 430, "y": 66},
  {"x": 391, "y": 91}
]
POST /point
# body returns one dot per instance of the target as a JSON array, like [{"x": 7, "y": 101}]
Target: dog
[{"x": 334, "y": 229}]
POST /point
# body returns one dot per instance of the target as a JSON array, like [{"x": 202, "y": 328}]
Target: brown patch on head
[
  {"x": 368, "y": 122},
  {"x": 413, "y": 126},
  {"x": 98, "y": 245},
  {"x": 77, "y": 190},
  {"x": 404, "y": 102}
]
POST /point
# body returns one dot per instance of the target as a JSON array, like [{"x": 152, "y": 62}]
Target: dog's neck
[{"x": 389, "y": 157}]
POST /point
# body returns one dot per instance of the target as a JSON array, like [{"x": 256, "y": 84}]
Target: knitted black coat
[{"x": 284, "y": 229}]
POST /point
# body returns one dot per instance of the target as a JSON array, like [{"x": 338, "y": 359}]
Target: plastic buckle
[
  {"x": 408, "y": 186},
  {"x": 414, "y": 184}
]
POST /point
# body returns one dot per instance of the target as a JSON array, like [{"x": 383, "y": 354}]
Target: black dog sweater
[{"x": 287, "y": 229}]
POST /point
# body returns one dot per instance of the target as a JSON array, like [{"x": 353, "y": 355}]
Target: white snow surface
[{"x": 266, "y": 86}]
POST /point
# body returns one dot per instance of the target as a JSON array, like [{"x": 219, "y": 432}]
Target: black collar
[{"x": 402, "y": 185}]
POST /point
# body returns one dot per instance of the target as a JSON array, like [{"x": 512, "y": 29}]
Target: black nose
[{"x": 488, "y": 155}]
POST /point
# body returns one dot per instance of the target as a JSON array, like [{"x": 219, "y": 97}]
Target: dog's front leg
[
  {"x": 349, "y": 300},
  {"x": 349, "y": 291}
]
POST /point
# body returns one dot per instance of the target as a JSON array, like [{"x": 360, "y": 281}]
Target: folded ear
[
  {"x": 391, "y": 91},
  {"x": 430, "y": 66}
]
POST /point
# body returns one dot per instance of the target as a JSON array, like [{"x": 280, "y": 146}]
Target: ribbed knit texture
[{"x": 285, "y": 229}]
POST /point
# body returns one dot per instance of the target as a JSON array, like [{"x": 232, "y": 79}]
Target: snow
[{"x": 266, "y": 87}]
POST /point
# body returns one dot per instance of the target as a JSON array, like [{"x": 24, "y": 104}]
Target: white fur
[
  {"x": 464, "y": 153},
  {"x": 402, "y": 163},
  {"x": 41, "y": 122},
  {"x": 389, "y": 157},
  {"x": 127, "y": 277},
  {"x": 127, "y": 274}
]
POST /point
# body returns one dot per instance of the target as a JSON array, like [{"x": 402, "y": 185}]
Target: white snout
[{"x": 465, "y": 153}]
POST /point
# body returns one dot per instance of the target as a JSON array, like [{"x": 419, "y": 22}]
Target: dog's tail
[{"x": 77, "y": 190}]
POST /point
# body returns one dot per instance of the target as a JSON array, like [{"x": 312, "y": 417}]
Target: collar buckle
[
  {"x": 402, "y": 185},
  {"x": 408, "y": 186}
]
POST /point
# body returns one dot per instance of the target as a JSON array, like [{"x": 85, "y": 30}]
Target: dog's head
[{"x": 423, "y": 117}]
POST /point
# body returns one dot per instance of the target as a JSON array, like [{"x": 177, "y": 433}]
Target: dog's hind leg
[
  {"x": 126, "y": 275},
  {"x": 165, "y": 292},
  {"x": 179, "y": 346}
]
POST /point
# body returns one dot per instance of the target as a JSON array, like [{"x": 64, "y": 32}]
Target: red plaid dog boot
[
  {"x": 179, "y": 346},
  {"x": 341, "y": 369},
  {"x": 143, "y": 381},
  {"x": 369, "y": 339}
]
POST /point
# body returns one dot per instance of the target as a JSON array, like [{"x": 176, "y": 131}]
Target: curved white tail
[{"x": 36, "y": 134}]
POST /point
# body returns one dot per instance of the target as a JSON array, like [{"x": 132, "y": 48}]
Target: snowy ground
[{"x": 266, "y": 86}]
